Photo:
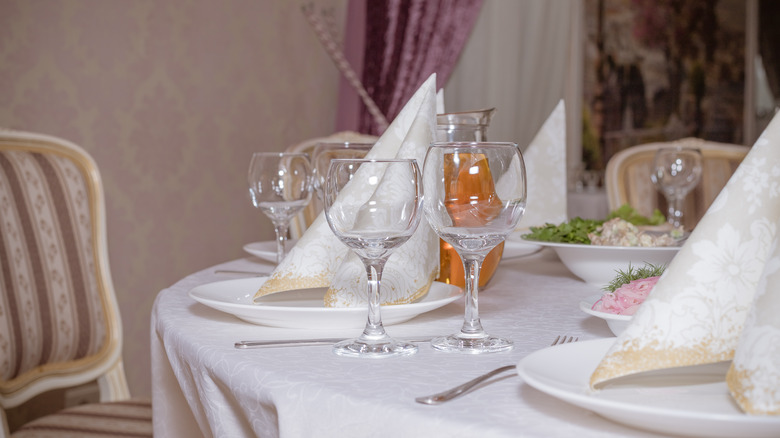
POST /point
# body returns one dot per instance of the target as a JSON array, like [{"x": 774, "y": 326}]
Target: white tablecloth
[{"x": 203, "y": 386}]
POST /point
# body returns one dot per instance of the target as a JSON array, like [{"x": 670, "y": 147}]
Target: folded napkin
[
  {"x": 754, "y": 375},
  {"x": 545, "y": 164},
  {"x": 698, "y": 311},
  {"x": 319, "y": 259}
]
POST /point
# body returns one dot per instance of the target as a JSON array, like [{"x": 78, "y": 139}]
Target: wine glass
[
  {"x": 475, "y": 194},
  {"x": 326, "y": 151},
  {"x": 373, "y": 207},
  {"x": 676, "y": 171},
  {"x": 280, "y": 186}
]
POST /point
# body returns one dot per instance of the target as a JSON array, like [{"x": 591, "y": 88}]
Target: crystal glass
[
  {"x": 324, "y": 152},
  {"x": 280, "y": 186},
  {"x": 676, "y": 171},
  {"x": 475, "y": 194},
  {"x": 373, "y": 207}
]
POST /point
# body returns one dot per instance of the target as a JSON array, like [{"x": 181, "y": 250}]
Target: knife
[{"x": 307, "y": 342}]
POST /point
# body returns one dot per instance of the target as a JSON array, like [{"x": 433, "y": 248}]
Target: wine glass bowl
[
  {"x": 280, "y": 187},
  {"x": 475, "y": 194},
  {"x": 373, "y": 207},
  {"x": 676, "y": 171},
  {"x": 324, "y": 152}
]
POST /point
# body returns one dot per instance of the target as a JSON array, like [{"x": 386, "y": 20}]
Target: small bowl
[
  {"x": 616, "y": 323},
  {"x": 598, "y": 265}
]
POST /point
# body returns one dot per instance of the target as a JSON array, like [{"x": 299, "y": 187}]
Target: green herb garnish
[
  {"x": 576, "y": 230},
  {"x": 624, "y": 277},
  {"x": 629, "y": 213}
]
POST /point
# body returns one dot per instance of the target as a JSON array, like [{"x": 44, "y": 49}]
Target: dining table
[{"x": 204, "y": 386}]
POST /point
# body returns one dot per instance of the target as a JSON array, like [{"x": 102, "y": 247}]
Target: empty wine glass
[
  {"x": 373, "y": 207},
  {"x": 676, "y": 171},
  {"x": 280, "y": 186},
  {"x": 475, "y": 194},
  {"x": 324, "y": 152}
]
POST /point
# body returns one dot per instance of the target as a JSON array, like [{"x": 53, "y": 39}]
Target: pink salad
[{"x": 627, "y": 298}]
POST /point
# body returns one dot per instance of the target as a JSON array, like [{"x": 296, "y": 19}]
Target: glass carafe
[{"x": 465, "y": 126}]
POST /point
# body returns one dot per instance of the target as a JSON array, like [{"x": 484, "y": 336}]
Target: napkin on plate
[
  {"x": 545, "y": 164},
  {"x": 697, "y": 312},
  {"x": 319, "y": 259}
]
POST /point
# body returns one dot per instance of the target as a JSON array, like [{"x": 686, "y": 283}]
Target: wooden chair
[
  {"x": 59, "y": 320},
  {"x": 627, "y": 177},
  {"x": 302, "y": 220}
]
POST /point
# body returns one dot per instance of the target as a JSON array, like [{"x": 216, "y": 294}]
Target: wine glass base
[
  {"x": 460, "y": 344},
  {"x": 374, "y": 350}
]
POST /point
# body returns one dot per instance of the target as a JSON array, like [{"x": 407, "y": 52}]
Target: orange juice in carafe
[
  {"x": 464, "y": 126},
  {"x": 470, "y": 196}
]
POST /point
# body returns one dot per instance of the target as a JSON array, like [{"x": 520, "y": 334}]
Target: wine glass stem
[
  {"x": 280, "y": 227},
  {"x": 674, "y": 215},
  {"x": 472, "y": 327},
  {"x": 374, "y": 328}
]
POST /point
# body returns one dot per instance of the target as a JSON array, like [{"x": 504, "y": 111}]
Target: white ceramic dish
[
  {"x": 514, "y": 247},
  {"x": 305, "y": 309},
  {"x": 266, "y": 250},
  {"x": 690, "y": 401},
  {"x": 598, "y": 265},
  {"x": 616, "y": 323}
]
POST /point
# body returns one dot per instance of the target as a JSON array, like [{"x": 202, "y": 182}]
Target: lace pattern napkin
[
  {"x": 319, "y": 259},
  {"x": 754, "y": 375},
  {"x": 545, "y": 163},
  {"x": 698, "y": 311}
]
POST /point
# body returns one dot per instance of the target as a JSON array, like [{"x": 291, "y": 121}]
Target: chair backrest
[
  {"x": 627, "y": 177},
  {"x": 59, "y": 319},
  {"x": 302, "y": 220}
]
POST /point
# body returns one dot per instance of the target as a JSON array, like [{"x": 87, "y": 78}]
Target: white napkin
[
  {"x": 754, "y": 375},
  {"x": 698, "y": 309},
  {"x": 545, "y": 164},
  {"x": 319, "y": 259}
]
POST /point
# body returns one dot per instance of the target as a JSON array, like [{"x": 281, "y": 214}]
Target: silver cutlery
[
  {"x": 307, "y": 342},
  {"x": 459, "y": 390}
]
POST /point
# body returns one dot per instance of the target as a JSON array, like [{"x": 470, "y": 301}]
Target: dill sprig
[{"x": 631, "y": 274}]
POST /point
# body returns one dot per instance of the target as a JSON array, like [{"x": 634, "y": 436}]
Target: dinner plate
[
  {"x": 690, "y": 401},
  {"x": 305, "y": 309},
  {"x": 515, "y": 247},
  {"x": 598, "y": 265},
  {"x": 616, "y": 323},
  {"x": 266, "y": 250}
]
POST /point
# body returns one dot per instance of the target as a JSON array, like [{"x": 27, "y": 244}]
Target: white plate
[
  {"x": 683, "y": 401},
  {"x": 598, "y": 265},
  {"x": 266, "y": 250},
  {"x": 304, "y": 308},
  {"x": 616, "y": 323},
  {"x": 514, "y": 247}
]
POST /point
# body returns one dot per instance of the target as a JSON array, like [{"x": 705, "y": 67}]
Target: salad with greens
[{"x": 576, "y": 230}]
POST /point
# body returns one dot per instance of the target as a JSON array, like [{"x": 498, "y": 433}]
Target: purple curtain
[{"x": 406, "y": 41}]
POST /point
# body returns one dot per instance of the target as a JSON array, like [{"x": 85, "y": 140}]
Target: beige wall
[{"x": 170, "y": 97}]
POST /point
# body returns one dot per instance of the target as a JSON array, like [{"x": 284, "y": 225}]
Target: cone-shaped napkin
[
  {"x": 319, "y": 259},
  {"x": 754, "y": 376},
  {"x": 545, "y": 163},
  {"x": 697, "y": 310}
]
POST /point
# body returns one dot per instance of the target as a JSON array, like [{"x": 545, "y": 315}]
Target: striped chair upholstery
[{"x": 59, "y": 320}]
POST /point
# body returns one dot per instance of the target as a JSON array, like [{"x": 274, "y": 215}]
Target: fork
[{"x": 459, "y": 390}]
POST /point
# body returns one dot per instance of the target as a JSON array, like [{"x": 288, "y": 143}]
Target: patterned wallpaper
[{"x": 170, "y": 98}]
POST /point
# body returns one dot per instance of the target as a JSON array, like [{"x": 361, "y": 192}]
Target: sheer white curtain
[{"x": 522, "y": 58}]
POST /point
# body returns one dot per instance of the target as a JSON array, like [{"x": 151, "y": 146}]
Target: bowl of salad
[{"x": 595, "y": 250}]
